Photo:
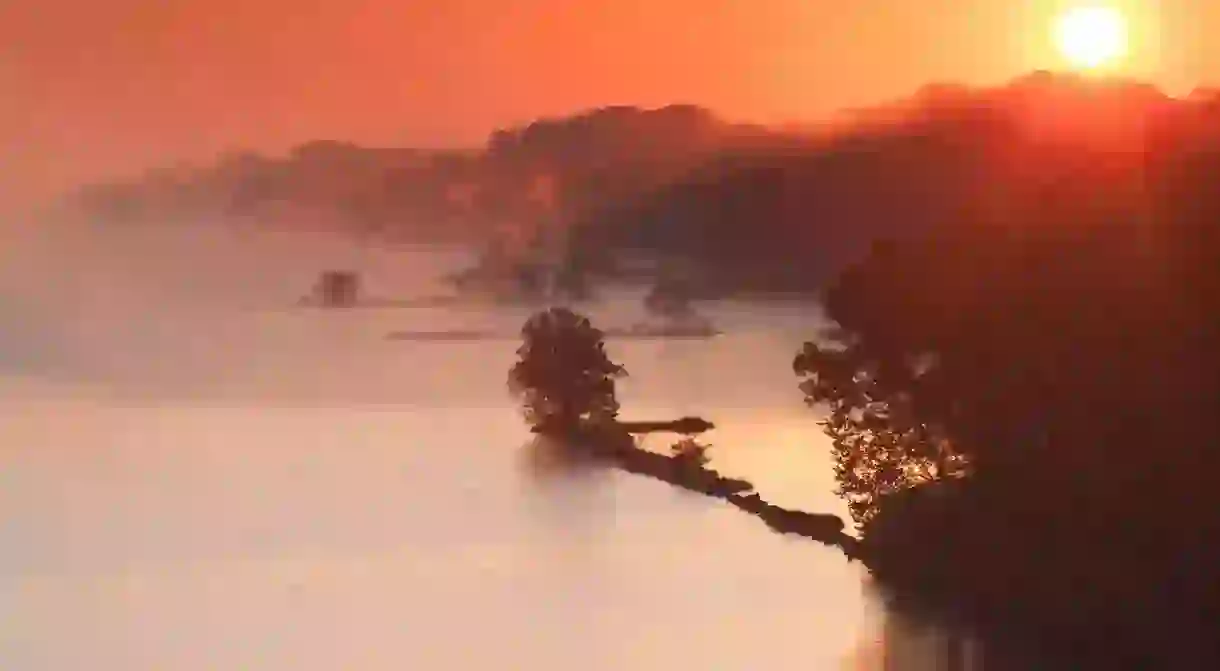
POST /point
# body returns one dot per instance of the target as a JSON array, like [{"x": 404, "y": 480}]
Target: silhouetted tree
[
  {"x": 1060, "y": 356},
  {"x": 564, "y": 376},
  {"x": 877, "y": 446}
]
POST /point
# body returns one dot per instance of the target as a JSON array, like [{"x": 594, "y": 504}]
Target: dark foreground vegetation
[{"x": 1024, "y": 419}]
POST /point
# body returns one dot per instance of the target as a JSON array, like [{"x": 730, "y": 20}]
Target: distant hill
[
  {"x": 788, "y": 220},
  {"x": 732, "y": 207},
  {"x": 549, "y": 170}
]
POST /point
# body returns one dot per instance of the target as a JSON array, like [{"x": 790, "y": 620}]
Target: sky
[{"x": 110, "y": 87}]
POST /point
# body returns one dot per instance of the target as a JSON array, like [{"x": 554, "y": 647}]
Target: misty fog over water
[{"x": 197, "y": 475}]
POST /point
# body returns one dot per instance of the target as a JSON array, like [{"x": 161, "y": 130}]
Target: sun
[{"x": 1091, "y": 37}]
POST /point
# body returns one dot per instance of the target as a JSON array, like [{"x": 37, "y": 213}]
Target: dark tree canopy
[
  {"x": 563, "y": 375},
  {"x": 1062, "y": 359},
  {"x": 1035, "y": 354},
  {"x": 878, "y": 449}
]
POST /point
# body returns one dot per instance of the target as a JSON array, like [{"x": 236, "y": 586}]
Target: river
[{"x": 196, "y": 476}]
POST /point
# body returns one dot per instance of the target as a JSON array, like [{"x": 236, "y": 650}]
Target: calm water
[{"x": 194, "y": 478}]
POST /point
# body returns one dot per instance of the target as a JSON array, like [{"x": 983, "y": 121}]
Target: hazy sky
[{"x": 107, "y": 86}]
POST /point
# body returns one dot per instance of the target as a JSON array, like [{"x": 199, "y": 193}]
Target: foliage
[
  {"x": 563, "y": 374},
  {"x": 878, "y": 448},
  {"x": 1065, "y": 342},
  {"x": 691, "y": 452}
]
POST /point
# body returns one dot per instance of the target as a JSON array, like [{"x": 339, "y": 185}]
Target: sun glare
[{"x": 1091, "y": 37}]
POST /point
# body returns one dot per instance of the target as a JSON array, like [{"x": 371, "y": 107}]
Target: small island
[{"x": 335, "y": 289}]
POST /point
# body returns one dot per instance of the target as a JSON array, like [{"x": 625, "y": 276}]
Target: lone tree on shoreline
[
  {"x": 563, "y": 376},
  {"x": 566, "y": 383}
]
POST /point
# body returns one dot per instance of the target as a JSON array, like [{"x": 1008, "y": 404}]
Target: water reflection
[{"x": 214, "y": 487}]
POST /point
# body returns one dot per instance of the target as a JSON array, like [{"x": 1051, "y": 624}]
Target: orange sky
[{"x": 111, "y": 86}]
